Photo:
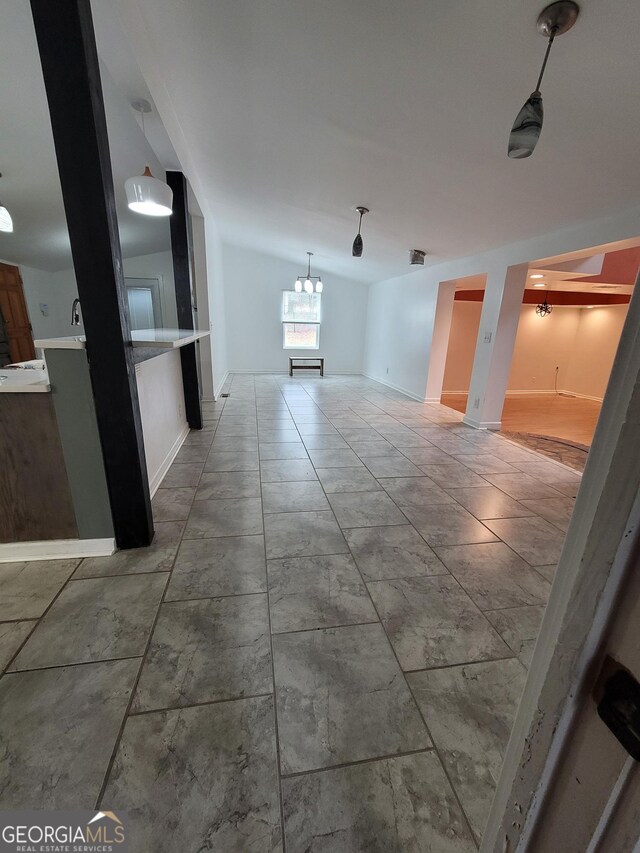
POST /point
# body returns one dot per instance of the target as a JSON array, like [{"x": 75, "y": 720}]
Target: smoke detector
[{"x": 416, "y": 257}]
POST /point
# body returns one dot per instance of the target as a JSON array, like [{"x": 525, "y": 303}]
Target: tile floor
[{"x": 324, "y": 648}]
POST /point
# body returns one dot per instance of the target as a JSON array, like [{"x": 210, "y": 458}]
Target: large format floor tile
[
  {"x": 494, "y": 576},
  {"x": 537, "y": 541},
  {"x": 347, "y": 480},
  {"x": 229, "y": 517},
  {"x": 317, "y": 592},
  {"x": 58, "y": 731},
  {"x": 522, "y": 486},
  {"x": 470, "y": 710},
  {"x": 95, "y": 619},
  {"x": 286, "y": 470},
  {"x": 158, "y": 557},
  {"x": 518, "y": 627},
  {"x": 392, "y": 552},
  {"x": 415, "y": 491},
  {"x": 447, "y": 524},
  {"x": 293, "y": 497},
  {"x": 453, "y": 476},
  {"x": 228, "y": 484},
  {"x": 489, "y": 502},
  {"x": 12, "y": 635},
  {"x": 432, "y": 622},
  {"x": 232, "y": 460},
  {"x": 27, "y": 589},
  {"x": 394, "y": 805},
  {"x": 341, "y": 697},
  {"x": 365, "y": 509},
  {"x": 200, "y": 778},
  {"x": 303, "y": 534},
  {"x": 206, "y": 650},
  {"x": 558, "y": 511},
  {"x": 212, "y": 567},
  {"x": 172, "y": 504}
]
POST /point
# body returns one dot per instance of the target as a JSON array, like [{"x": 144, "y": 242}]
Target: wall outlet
[
  {"x": 476, "y": 403},
  {"x": 487, "y": 337},
  {"x": 387, "y": 371}
]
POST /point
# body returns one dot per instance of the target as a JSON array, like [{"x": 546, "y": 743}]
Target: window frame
[{"x": 285, "y": 323}]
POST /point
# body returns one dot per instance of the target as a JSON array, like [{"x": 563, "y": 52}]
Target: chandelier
[
  {"x": 308, "y": 281},
  {"x": 544, "y": 308}
]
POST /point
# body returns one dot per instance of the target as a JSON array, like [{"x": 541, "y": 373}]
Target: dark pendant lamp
[
  {"x": 553, "y": 21},
  {"x": 544, "y": 309},
  {"x": 358, "y": 245}
]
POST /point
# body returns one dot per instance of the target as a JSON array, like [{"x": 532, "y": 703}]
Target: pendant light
[
  {"x": 146, "y": 194},
  {"x": 553, "y": 21},
  {"x": 308, "y": 280},
  {"x": 6, "y": 222},
  {"x": 544, "y": 309},
  {"x": 356, "y": 249}
]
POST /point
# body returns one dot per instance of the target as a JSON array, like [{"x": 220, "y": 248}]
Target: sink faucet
[{"x": 75, "y": 313}]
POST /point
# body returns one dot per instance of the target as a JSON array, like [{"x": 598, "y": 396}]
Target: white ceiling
[
  {"x": 30, "y": 187},
  {"x": 296, "y": 111}
]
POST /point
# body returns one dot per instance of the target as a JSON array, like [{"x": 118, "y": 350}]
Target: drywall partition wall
[
  {"x": 594, "y": 349},
  {"x": 462, "y": 346},
  {"x": 542, "y": 344},
  {"x": 49, "y": 297},
  {"x": 158, "y": 265},
  {"x": 253, "y": 285},
  {"x": 217, "y": 312},
  {"x": 400, "y": 318}
]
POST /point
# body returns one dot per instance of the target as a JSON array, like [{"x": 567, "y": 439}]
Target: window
[{"x": 300, "y": 320}]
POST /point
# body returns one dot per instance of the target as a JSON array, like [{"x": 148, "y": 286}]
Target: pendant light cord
[
  {"x": 360, "y": 223},
  {"x": 546, "y": 57}
]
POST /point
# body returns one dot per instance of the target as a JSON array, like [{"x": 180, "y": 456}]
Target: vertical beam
[
  {"x": 182, "y": 253},
  {"x": 74, "y": 92},
  {"x": 440, "y": 341},
  {"x": 494, "y": 348}
]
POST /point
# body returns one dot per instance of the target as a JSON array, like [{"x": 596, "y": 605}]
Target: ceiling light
[
  {"x": 553, "y": 21},
  {"x": 6, "y": 222},
  {"x": 536, "y": 275},
  {"x": 544, "y": 309},
  {"x": 146, "y": 194},
  {"x": 356, "y": 249},
  {"x": 540, "y": 284},
  {"x": 591, "y": 306},
  {"x": 416, "y": 257},
  {"x": 308, "y": 280}
]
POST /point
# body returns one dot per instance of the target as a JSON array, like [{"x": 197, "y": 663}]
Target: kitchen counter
[
  {"x": 150, "y": 338},
  {"x": 20, "y": 381}
]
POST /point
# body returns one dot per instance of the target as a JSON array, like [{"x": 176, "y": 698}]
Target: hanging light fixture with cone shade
[
  {"x": 6, "y": 222},
  {"x": 358, "y": 245},
  {"x": 553, "y": 21},
  {"x": 308, "y": 280},
  {"x": 146, "y": 194}
]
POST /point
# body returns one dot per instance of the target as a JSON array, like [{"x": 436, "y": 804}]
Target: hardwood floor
[{"x": 569, "y": 418}]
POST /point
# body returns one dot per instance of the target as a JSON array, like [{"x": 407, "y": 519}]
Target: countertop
[
  {"x": 23, "y": 381},
  {"x": 158, "y": 338}
]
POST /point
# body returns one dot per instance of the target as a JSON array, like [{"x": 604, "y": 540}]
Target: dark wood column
[
  {"x": 66, "y": 42},
  {"x": 182, "y": 254}
]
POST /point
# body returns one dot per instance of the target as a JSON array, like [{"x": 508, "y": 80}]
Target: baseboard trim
[
  {"x": 56, "y": 549},
  {"x": 217, "y": 391},
  {"x": 160, "y": 474},
  {"x": 283, "y": 372},
  {"x": 493, "y": 425},
  {"x": 396, "y": 388}
]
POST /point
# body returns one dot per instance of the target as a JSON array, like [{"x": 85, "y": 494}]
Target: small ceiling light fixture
[
  {"x": 554, "y": 20},
  {"x": 540, "y": 284},
  {"x": 146, "y": 194},
  {"x": 536, "y": 275},
  {"x": 308, "y": 280},
  {"x": 544, "y": 309},
  {"x": 6, "y": 222},
  {"x": 356, "y": 249},
  {"x": 416, "y": 257}
]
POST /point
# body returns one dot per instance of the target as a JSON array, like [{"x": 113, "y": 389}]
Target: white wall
[
  {"x": 580, "y": 341},
  {"x": 56, "y": 290},
  {"x": 217, "y": 297},
  {"x": 401, "y": 309},
  {"x": 157, "y": 265},
  {"x": 253, "y": 285}
]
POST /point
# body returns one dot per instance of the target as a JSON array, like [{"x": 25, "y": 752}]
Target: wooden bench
[{"x": 319, "y": 366}]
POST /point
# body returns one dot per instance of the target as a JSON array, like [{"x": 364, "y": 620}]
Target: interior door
[
  {"x": 15, "y": 314},
  {"x": 145, "y": 303}
]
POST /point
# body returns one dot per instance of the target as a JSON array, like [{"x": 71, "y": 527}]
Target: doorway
[
  {"x": 145, "y": 303},
  {"x": 463, "y": 336},
  {"x": 16, "y": 338}
]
